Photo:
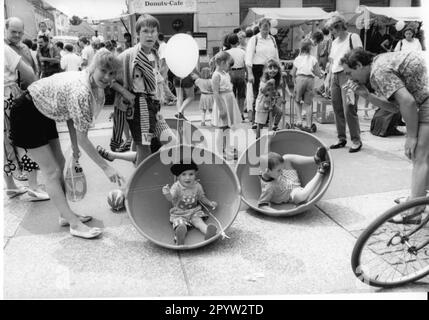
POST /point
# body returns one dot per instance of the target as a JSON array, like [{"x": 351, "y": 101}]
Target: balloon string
[{"x": 223, "y": 234}]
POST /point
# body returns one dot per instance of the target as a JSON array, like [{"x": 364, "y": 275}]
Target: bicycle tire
[{"x": 374, "y": 279}]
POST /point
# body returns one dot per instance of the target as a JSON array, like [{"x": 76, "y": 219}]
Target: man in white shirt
[
  {"x": 345, "y": 107},
  {"x": 238, "y": 72},
  {"x": 70, "y": 60},
  {"x": 87, "y": 52},
  {"x": 260, "y": 48}
]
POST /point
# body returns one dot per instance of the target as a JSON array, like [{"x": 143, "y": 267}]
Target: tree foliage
[{"x": 75, "y": 21}]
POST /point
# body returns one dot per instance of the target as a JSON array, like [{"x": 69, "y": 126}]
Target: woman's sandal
[
  {"x": 91, "y": 233},
  {"x": 104, "y": 153},
  {"x": 12, "y": 193},
  {"x": 415, "y": 218},
  {"x": 64, "y": 223}
]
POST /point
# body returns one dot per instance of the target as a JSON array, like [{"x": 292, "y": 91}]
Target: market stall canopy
[
  {"x": 389, "y": 15},
  {"x": 286, "y": 16}
]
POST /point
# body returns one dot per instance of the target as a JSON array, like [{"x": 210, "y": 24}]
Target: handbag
[{"x": 75, "y": 180}]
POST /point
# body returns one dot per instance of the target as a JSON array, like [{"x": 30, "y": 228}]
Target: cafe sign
[{"x": 158, "y": 6}]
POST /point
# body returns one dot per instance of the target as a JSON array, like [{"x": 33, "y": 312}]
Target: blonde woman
[{"x": 77, "y": 98}]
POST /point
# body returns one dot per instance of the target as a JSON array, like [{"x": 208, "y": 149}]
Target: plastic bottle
[{"x": 75, "y": 182}]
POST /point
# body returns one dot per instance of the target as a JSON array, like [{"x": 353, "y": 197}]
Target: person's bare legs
[
  {"x": 45, "y": 158},
  {"x": 298, "y": 159},
  {"x": 304, "y": 194},
  {"x": 298, "y": 112},
  {"x": 208, "y": 230},
  {"x": 179, "y": 95},
  {"x": 420, "y": 172},
  {"x": 189, "y": 92},
  {"x": 143, "y": 151},
  {"x": 307, "y": 109}
]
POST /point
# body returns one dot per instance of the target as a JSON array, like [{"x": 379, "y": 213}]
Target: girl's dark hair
[
  {"x": 306, "y": 45},
  {"x": 277, "y": 77},
  {"x": 317, "y": 36},
  {"x": 357, "y": 55},
  {"x": 255, "y": 30},
  {"x": 249, "y": 33},
  {"x": 233, "y": 39},
  {"x": 28, "y": 43},
  {"x": 325, "y": 31}
]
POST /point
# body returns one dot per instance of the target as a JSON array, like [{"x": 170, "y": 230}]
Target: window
[
  {"x": 416, "y": 3},
  {"x": 327, "y": 5},
  {"x": 375, "y": 3}
]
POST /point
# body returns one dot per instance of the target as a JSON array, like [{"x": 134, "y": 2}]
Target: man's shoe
[
  {"x": 340, "y": 144},
  {"x": 355, "y": 148},
  {"x": 180, "y": 116}
]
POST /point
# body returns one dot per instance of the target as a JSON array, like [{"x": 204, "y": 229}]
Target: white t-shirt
[
  {"x": 265, "y": 49},
  {"x": 414, "y": 45},
  {"x": 11, "y": 60},
  {"x": 88, "y": 53},
  {"x": 304, "y": 64},
  {"x": 238, "y": 55},
  {"x": 340, "y": 48},
  {"x": 71, "y": 62}
]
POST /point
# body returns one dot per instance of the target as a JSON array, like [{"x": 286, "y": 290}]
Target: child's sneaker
[
  {"x": 320, "y": 155},
  {"x": 180, "y": 234},
  {"x": 324, "y": 167},
  {"x": 211, "y": 231}
]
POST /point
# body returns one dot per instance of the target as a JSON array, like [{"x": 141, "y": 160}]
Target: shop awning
[
  {"x": 286, "y": 16},
  {"x": 390, "y": 14}
]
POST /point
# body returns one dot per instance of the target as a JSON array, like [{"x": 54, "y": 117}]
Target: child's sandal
[
  {"x": 104, "y": 153},
  {"x": 320, "y": 155},
  {"x": 324, "y": 167},
  {"x": 180, "y": 234},
  {"x": 211, "y": 231}
]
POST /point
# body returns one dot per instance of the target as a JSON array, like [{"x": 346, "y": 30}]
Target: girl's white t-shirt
[
  {"x": 340, "y": 48},
  {"x": 409, "y": 45},
  {"x": 304, "y": 64}
]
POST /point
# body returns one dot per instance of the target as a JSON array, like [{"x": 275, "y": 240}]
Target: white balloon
[
  {"x": 274, "y": 23},
  {"x": 181, "y": 54},
  {"x": 399, "y": 25},
  {"x": 273, "y": 31}
]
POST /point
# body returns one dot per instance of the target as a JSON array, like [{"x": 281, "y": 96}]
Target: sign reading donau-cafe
[{"x": 166, "y": 6}]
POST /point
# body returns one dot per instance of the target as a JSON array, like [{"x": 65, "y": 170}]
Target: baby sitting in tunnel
[
  {"x": 187, "y": 195},
  {"x": 280, "y": 181}
]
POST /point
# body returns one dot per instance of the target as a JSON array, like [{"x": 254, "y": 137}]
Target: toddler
[
  {"x": 280, "y": 182},
  {"x": 205, "y": 85},
  {"x": 269, "y": 98},
  {"x": 186, "y": 194}
]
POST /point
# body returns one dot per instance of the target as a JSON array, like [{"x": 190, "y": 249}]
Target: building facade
[{"x": 217, "y": 18}]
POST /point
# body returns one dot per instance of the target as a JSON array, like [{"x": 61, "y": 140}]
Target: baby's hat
[{"x": 178, "y": 168}]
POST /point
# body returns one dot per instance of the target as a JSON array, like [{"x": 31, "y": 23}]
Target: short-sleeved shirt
[
  {"x": 405, "y": 45},
  {"x": 68, "y": 95},
  {"x": 239, "y": 57},
  {"x": 261, "y": 50},
  {"x": 304, "y": 64},
  {"x": 88, "y": 53},
  {"x": 71, "y": 62},
  {"x": 205, "y": 85},
  {"x": 340, "y": 48},
  {"x": 278, "y": 190},
  {"x": 394, "y": 70},
  {"x": 11, "y": 60},
  {"x": 186, "y": 198}
]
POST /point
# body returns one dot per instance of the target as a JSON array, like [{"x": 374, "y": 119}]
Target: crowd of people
[{"x": 245, "y": 77}]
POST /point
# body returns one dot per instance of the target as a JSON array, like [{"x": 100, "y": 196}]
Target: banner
[{"x": 166, "y": 6}]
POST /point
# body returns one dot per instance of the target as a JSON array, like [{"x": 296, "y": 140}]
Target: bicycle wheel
[{"x": 390, "y": 254}]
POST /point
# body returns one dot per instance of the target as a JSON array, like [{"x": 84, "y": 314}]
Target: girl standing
[
  {"x": 304, "y": 68},
  {"x": 206, "y": 100},
  {"x": 225, "y": 109},
  {"x": 269, "y": 98}
]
